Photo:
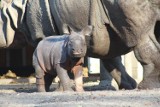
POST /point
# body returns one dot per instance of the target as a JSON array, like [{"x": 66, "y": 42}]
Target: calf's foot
[
  {"x": 40, "y": 85},
  {"x": 79, "y": 89},
  {"x": 41, "y": 88}
]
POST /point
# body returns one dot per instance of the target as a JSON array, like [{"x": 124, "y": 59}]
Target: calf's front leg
[
  {"x": 78, "y": 77},
  {"x": 64, "y": 78}
]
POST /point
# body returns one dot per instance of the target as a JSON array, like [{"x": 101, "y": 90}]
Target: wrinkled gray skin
[
  {"x": 57, "y": 55},
  {"x": 119, "y": 27},
  {"x": 38, "y": 28}
]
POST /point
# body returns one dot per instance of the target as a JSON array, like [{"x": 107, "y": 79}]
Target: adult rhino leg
[
  {"x": 118, "y": 72},
  {"x": 148, "y": 54},
  {"x": 106, "y": 80}
]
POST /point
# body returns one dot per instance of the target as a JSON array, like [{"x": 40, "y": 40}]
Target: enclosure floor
[{"x": 23, "y": 94}]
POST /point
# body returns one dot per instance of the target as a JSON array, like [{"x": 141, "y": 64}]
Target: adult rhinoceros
[{"x": 119, "y": 27}]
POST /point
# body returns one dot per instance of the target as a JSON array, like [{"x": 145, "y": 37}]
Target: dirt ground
[{"x": 21, "y": 92}]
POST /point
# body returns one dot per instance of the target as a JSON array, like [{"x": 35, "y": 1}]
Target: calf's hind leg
[
  {"x": 148, "y": 54},
  {"x": 40, "y": 83},
  {"x": 48, "y": 78},
  {"x": 43, "y": 80}
]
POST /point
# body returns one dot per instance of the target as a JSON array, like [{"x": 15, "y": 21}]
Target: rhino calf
[{"x": 57, "y": 55}]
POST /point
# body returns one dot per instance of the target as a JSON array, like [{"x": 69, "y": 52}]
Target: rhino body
[
  {"x": 57, "y": 55},
  {"x": 119, "y": 27},
  {"x": 50, "y": 53}
]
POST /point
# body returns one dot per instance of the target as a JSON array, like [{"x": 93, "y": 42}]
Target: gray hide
[
  {"x": 130, "y": 26},
  {"x": 40, "y": 18},
  {"x": 92, "y": 12},
  {"x": 78, "y": 14},
  {"x": 57, "y": 55},
  {"x": 50, "y": 59},
  {"x": 119, "y": 27}
]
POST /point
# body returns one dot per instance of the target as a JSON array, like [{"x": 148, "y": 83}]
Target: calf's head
[{"x": 77, "y": 46}]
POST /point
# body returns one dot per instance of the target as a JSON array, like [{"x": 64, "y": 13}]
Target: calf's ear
[{"x": 88, "y": 30}]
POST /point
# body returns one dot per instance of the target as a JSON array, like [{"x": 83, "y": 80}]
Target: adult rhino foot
[
  {"x": 150, "y": 82},
  {"x": 108, "y": 85},
  {"x": 126, "y": 85},
  {"x": 123, "y": 80},
  {"x": 132, "y": 82}
]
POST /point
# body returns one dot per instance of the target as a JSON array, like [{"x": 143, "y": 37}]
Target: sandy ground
[{"x": 22, "y": 93}]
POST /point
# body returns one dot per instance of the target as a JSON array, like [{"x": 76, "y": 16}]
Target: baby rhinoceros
[{"x": 57, "y": 55}]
